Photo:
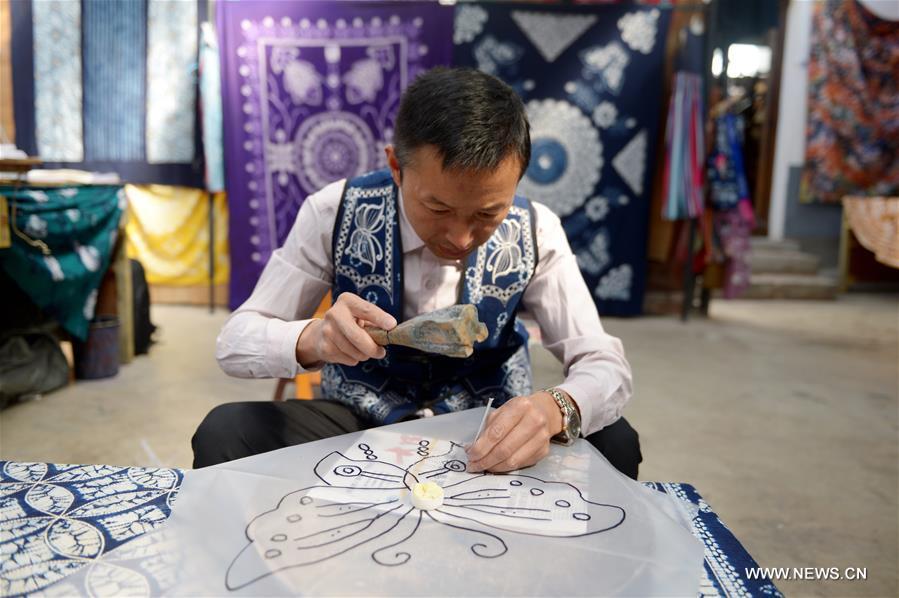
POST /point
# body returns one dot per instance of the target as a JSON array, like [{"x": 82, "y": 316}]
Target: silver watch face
[
  {"x": 571, "y": 419},
  {"x": 573, "y": 423}
]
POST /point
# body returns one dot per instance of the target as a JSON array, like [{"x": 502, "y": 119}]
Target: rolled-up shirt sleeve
[
  {"x": 259, "y": 339},
  {"x": 597, "y": 374}
]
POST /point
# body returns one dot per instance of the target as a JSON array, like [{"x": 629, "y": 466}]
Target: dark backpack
[{"x": 143, "y": 327}]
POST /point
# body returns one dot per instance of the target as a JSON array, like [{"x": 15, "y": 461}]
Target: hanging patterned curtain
[
  {"x": 728, "y": 186},
  {"x": 685, "y": 144},
  {"x": 211, "y": 109},
  {"x": 7, "y": 122},
  {"x": 310, "y": 93},
  {"x": 852, "y": 140},
  {"x": 109, "y": 86},
  {"x": 734, "y": 217},
  {"x": 591, "y": 80},
  {"x": 168, "y": 232}
]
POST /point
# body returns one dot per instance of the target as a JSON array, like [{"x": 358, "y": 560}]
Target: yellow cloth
[
  {"x": 168, "y": 232},
  {"x": 875, "y": 222},
  {"x": 7, "y": 121}
]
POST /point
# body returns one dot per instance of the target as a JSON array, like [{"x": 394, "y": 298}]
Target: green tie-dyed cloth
[{"x": 63, "y": 247}]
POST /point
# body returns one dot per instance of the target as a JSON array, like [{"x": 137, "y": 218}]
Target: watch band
[{"x": 571, "y": 419}]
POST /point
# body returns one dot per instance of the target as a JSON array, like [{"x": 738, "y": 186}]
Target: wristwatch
[{"x": 571, "y": 418}]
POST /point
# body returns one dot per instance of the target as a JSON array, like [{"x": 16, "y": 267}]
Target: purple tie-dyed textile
[{"x": 310, "y": 92}]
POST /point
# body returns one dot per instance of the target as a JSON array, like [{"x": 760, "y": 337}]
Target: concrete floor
[{"x": 784, "y": 415}]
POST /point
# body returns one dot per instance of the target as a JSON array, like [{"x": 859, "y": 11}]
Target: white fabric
[
  {"x": 332, "y": 518},
  {"x": 259, "y": 340}
]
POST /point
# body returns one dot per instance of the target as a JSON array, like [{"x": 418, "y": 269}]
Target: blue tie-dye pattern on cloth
[
  {"x": 55, "y": 519},
  {"x": 591, "y": 80},
  {"x": 114, "y": 54},
  {"x": 109, "y": 86}
]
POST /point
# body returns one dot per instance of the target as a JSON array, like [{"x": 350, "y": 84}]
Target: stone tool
[{"x": 451, "y": 331}]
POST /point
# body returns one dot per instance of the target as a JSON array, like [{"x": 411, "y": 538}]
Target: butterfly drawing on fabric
[{"x": 363, "y": 505}]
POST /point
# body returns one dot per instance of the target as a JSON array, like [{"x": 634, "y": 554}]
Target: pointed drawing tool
[{"x": 483, "y": 421}]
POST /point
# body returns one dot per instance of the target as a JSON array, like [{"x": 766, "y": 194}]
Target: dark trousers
[{"x": 235, "y": 430}]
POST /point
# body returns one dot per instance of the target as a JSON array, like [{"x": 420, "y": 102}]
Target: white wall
[{"x": 789, "y": 148}]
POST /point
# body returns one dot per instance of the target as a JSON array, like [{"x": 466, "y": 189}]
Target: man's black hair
[{"x": 473, "y": 119}]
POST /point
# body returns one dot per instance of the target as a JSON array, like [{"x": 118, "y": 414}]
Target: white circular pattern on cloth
[
  {"x": 605, "y": 115},
  {"x": 616, "y": 284},
  {"x": 566, "y": 156},
  {"x": 638, "y": 30},
  {"x": 596, "y": 258},
  {"x": 36, "y": 227},
  {"x": 468, "y": 23},
  {"x": 597, "y": 208},
  {"x": 331, "y": 146},
  {"x": 89, "y": 256}
]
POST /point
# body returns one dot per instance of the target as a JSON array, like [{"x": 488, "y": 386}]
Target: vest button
[{"x": 429, "y": 284}]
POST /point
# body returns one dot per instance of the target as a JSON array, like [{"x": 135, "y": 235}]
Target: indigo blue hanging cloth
[
  {"x": 110, "y": 86},
  {"x": 591, "y": 80}
]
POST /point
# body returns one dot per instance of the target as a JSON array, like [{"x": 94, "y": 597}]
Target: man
[{"x": 440, "y": 226}]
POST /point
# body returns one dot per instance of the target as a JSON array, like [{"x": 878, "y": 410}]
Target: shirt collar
[{"x": 411, "y": 240}]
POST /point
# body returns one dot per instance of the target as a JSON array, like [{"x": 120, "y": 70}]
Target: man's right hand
[{"x": 339, "y": 337}]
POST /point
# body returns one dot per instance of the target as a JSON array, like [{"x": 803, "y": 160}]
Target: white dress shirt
[{"x": 259, "y": 339}]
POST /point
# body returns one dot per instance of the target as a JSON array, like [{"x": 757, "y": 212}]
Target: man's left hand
[{"x": 516, "y": 435}]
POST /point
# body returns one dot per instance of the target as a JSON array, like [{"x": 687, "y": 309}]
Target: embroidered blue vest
[{"x": 368, "y": 261}]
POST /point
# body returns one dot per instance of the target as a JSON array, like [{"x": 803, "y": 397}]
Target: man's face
[{"x": 454, "y": 212}]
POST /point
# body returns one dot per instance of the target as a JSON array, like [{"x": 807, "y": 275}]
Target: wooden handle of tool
[{"x": 379, "y": 335}]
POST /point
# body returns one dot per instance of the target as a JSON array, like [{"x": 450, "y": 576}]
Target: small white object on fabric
[{"x": 427, "y": 496}]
